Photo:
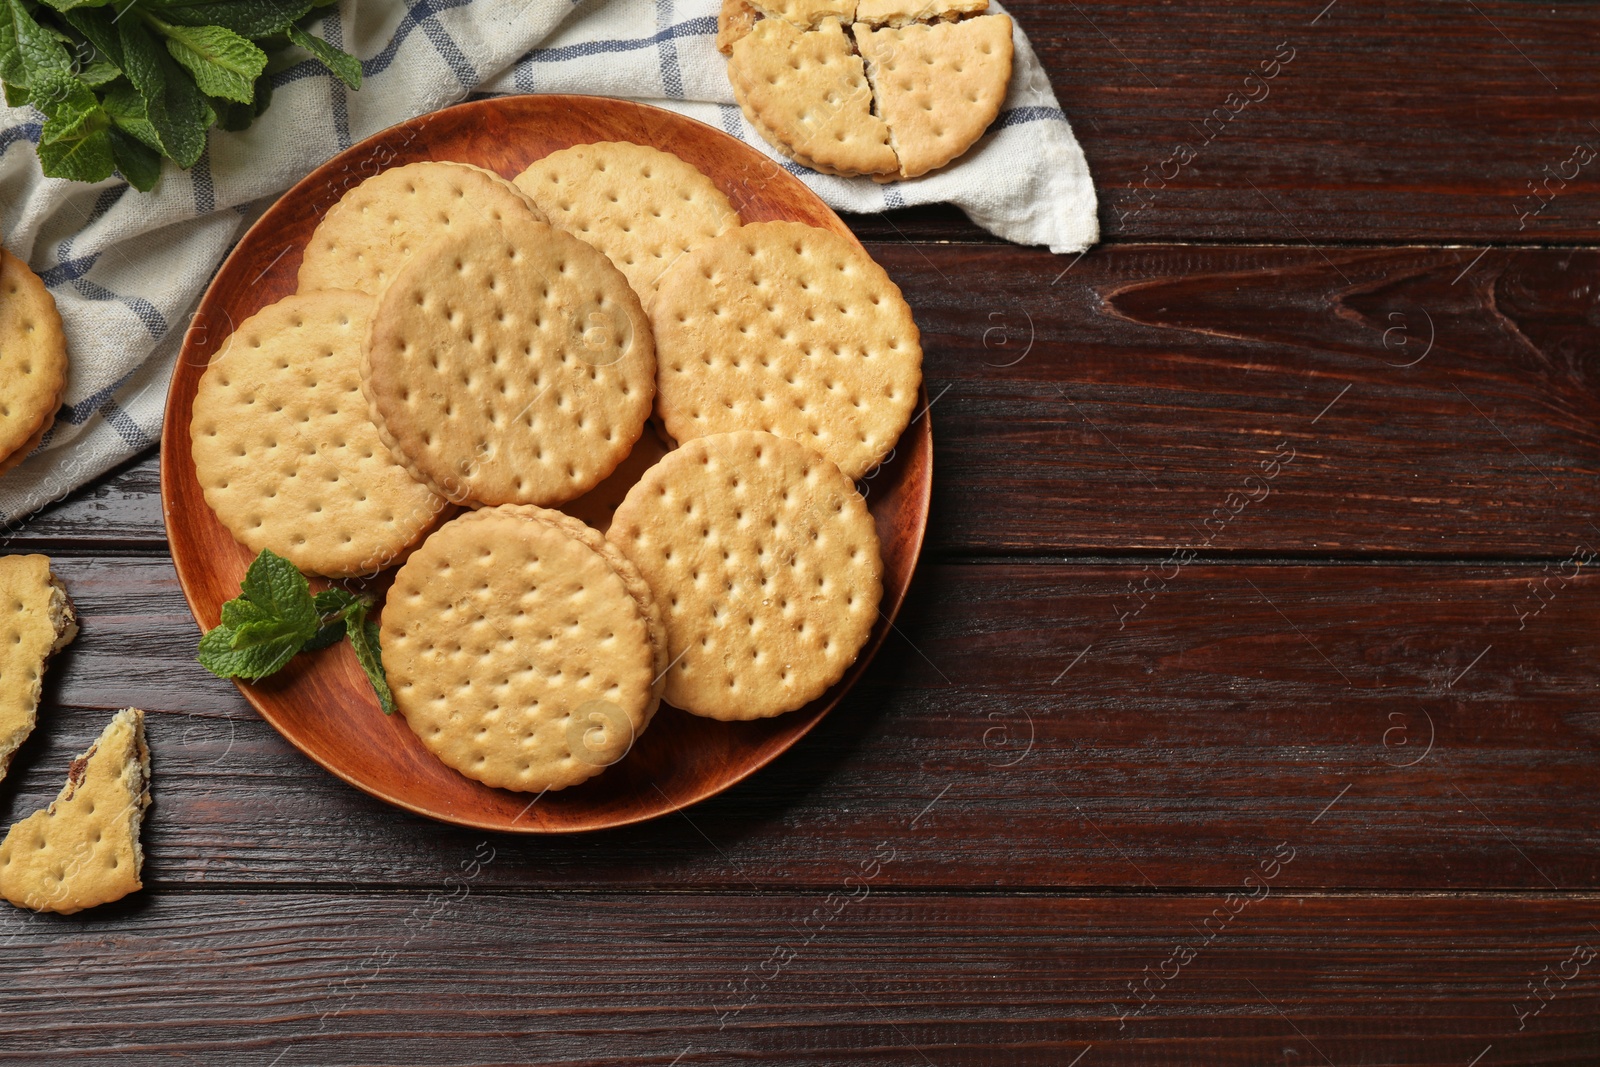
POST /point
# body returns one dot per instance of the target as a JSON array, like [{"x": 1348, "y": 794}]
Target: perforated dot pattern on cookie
[
  {"x": 286, "y": 452},
  {"x": 83, "y": 850},
  {"x": 374, "y": 228},
  {"x": 516, "y": 653},
  {"x": 510, "y": 364},
  {"x": 766, "y": 564},
  {"x": 33, "y": 360},
  {"x": 36, "y": 620},
  {"x": 642, "y": 207},
  {"x": 787, "y": 328},
  {"x": 938, "y": 87},
  {"x": 808, "y": 93}
]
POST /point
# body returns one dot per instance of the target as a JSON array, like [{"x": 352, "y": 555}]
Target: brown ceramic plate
[{"x": 321, "y": 702}]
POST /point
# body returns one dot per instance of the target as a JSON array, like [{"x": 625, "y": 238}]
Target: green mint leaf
[
  {"x": 27, "y": 49},
  {"x": 66, "y": 102},
  {"x": 364, "y": 639},
  {"x": 330, "y": 634},
  {"x": 68, "y": 5},
  {"x": 274, "y": 585},
  {"x": 136, "y": 161},
  {"x": 345, "y": 67},
  {"x": 262, "y": 628},
  {"x": 126, "y": 108},
  {"x": 218, "y": 656},
  {"x": 82, "y": 157},
  {"x": 335, "y": 601},
  {"x": 16, "y": 95},
  {"x": 332, "y": 605},
  {"x": 175, "y": 108},
  {"x": 248, "y": 18},
  {"x": 99, "y": 71},
  {"x": 99, "y": 28},
  {"x": 232, "y": 115},
  {"x": 223, "y": 63}
]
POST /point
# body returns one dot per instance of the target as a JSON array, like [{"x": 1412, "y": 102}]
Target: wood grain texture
[
  {"x": 323, "y": 704},
  {"x": 849, "y": 974},
  {"x": 1113, "y": 408},
  {"x": 1436, "y": 746},
  {"x": 1425, "y": 121}
]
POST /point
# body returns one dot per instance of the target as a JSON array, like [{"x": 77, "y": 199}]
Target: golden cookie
[
  {"x": 36, "y": 621},
  {"x": 516, "y": 652},
  {"x": 734, "y": 21},
  {"x": 787, "y": 328},
  {"x": 33, "y": 360},
  {"x": 510, "y": 363},
  {"x": 765, "y": 562},
  {"x": 807, "y": 14},
  {"x": 83, "y": 850},
  {"x": 807, "y": 92},
  {"x": 938, "y": 87},
  {"x": 905, "y": 12},
  {"x": 642, "y": 207},
  {"x": 632, "y": 580},
  {"x": 286, "y": 451},
  {"x": 374, "y": 228}
]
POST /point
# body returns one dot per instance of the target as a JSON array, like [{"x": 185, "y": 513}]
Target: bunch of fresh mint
[
  {"x": 275, "y": 617},
  {"x": 123, "y": 83}
]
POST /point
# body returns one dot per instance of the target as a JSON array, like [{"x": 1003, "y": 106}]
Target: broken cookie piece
[
  {"x": 83, "y": 850},
  {"x": 36, "y": 622},
  {"x": 938, "y": 86},
  {"x": 807, "y": 93}
]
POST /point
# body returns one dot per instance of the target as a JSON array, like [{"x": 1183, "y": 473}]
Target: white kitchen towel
[{"x": 127, "y": 268}]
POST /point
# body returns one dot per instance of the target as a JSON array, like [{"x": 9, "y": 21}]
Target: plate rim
[{"x": 315, "y": 180}]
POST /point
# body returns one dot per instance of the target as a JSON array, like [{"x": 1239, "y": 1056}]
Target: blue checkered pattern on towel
[{"x": 127, "y": 269}]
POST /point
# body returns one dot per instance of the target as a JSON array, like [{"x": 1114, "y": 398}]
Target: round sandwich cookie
[
  {"x": 516, "y": 652},
  {"x": 374, "y": 228},
  {"x": 766, "y": 564},
  {"x": 642, "y": 207},
  {"x": 33, "y": 360},
  {"x": 509, "y": 363},
  {"x": 284, "y": 448},
  {"x": 632, "y": 580},
  {"x": 787, "y": 328}
]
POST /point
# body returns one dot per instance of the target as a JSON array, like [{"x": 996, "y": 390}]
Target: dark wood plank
[
  {"x": 1394, "y": 720},
  {"x": 1424, "y": 121},
  {"x": 850, "y": 973},
  {"x": 1117, "y": 406}
]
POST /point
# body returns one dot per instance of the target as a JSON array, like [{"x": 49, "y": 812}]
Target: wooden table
[{"x": 1245, "y": 710}]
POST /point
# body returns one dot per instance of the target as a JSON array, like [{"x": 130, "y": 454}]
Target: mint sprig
[
  {"x": 123, "y": 84},
  {"x": 275, "y": 617}
]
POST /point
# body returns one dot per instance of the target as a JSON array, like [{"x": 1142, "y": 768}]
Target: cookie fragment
[
  {"x": 807, "y": 93},
  {"x": 906, "y": 12},
  {"x": 734, "y": 21},
  {"x": 787, "y": 328},
  {"x": 285, "y": 449},
  {"x": 642, "y": 207},
  {"x": 37, "y": 620},
  {"x": 766, "y": 564},
  {"x": 807, "y": 14},
  {"x": 33, "y": 360},
  {"x": 83, "y": 850},
  {"x": 516, "y": 652},
  {"x": 509, "y": 363},
  {"x": 938, "y": 86},
  {"x": 374, "y": 228}
]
